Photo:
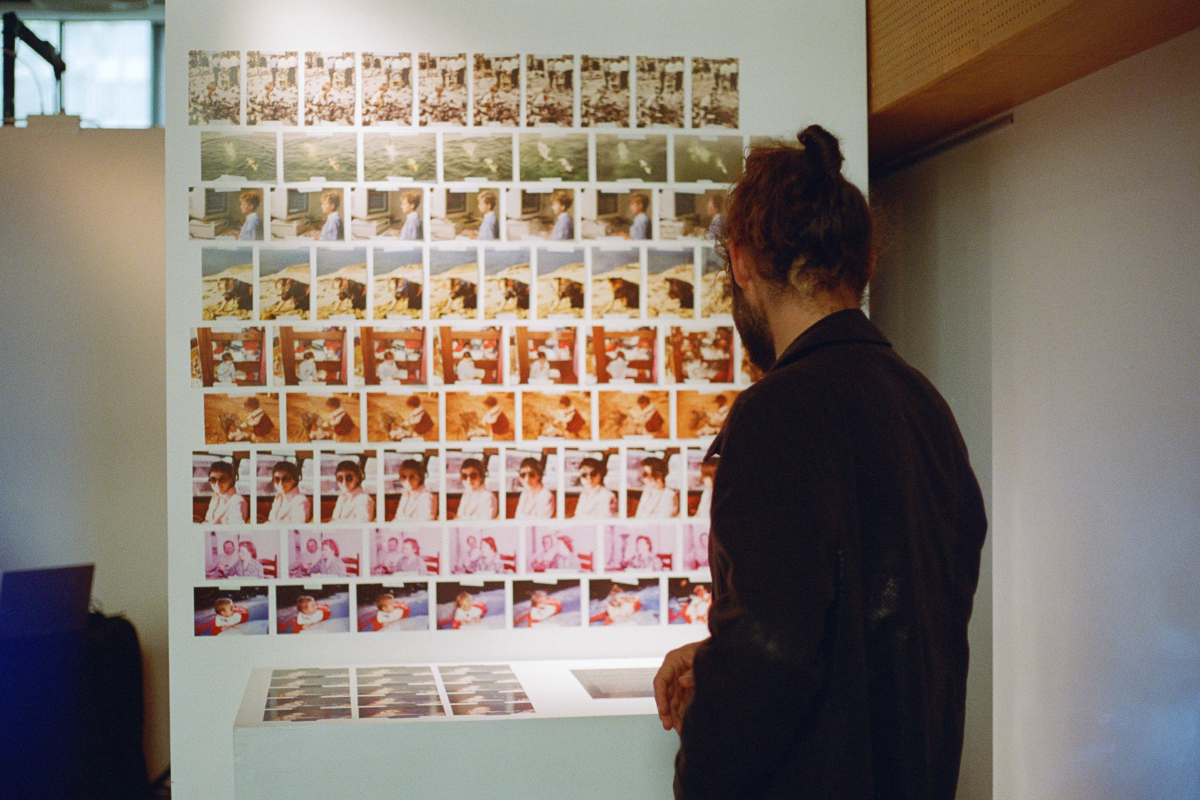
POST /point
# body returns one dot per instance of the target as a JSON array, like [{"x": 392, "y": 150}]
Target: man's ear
[{"x": 738, "y": 265}]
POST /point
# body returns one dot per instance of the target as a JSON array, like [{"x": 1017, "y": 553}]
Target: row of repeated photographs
[
  {"x": 461, "y": 213},
  {"x": 480, "y": 484},
  {"x": 399, "y": 158},
  {"x": 547, "y": 550},
  {"x": 448, "y": 605},
  {"x": 478, "y": 414},
  {"x": 548, "y": 283},
  {"x": 346, "y": 88},
  {"x": 466, "y": 355}
]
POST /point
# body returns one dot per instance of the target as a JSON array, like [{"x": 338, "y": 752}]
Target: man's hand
[{"x": 673, "y": 685}]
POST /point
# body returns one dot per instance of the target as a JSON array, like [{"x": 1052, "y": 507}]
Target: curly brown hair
[{"x": 802, "y": 222}]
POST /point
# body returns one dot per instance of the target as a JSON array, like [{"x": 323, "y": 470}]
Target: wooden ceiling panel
[{"x": 942, "y": 66}]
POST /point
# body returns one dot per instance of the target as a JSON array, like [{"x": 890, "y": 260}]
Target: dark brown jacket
[{"x": 846, "y": 534}]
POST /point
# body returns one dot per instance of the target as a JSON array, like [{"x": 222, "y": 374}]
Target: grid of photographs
[
  {"x": 394, "y": 692},
  {"x": 463, "y": 338}
]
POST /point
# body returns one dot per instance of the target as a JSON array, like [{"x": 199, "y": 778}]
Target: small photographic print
[
  {"x": 349, "y": 486},
  {"x": 714, "y": 92},
  {"x": 619, "y": 603},
  {"x": 228, "y": 358},
  {"x": 329, "y": 552},
  {"x": 393, "y": 356},
  {"x": 654, "y": 479},
  {"x": 285, "y": 280},
  {"x": 443, "y": 88},
  {"x": 241, "y": 418},
  {"x": 716, "y": 296},
  {"x": 454, "y": 284},
  {"x": 555, "y": 604},
  {"x": 486, "y": 157},
  {"x": 245, "y": 155},
  {"x": 506, "y": 279},
  {"x": 243, "y": 555},
  {"x": 410, "y": 551},
  {"x": 464, "y": 214},
  {"x": 483, "y": 551},
  {"x": 641, "y": 549},
  {"x": 221, "y": 485},
  {"x": 399, "y": 155},
  {"x": 569, "y": 549},
  {"x": 561, "y": 277},
  {"x": 604, "y": 91},
  {"x": 231, "y": 612},
  {"x": 472, "y": 484},
  {"x": 695, "y": 543},
  {"x": 660, "y": 92},
  {"x": 699, "y": 157},
  {"x": 702, "y": 413},
  {"x": 670, "y": 282},
  {"x": 387, "y": 88},
  {"x": 323, "y": 417},
  {"x": 592, "y": 483},
  {"x": 285, "y": 484},
  {"x": 402, "y": 418},
  {"x": 496, "y": 83},
  {"x": 565, "y": 415},
  {"x": 484, "y": 690},
  {"x": 399, "y": 283},
  {"x": 616, "y": 282},
  {"x": 553, "y": 155},
  {"x": 688, "y": 601},
  {"x": 545, "y": 357},
  {"x": 299, "y": 216},
  {"x": 412, "y": 487},
  {"x": 228, "y": 283},
  {"x": 467, "y": 357},
  {"x": 634, "y": 414},
  {"x": 386, "y": 213},
  {"x": 301, "y": 609},
  {"x": 341, "y": 284},
  {"x": 214, "y": 90},
  {"x": 392, "y": 609},
  {"x": 219, "y": 214},
  {"x": 462, "y": 606},
  {"x": 272, "y": 89},
  {"x": 690, "y": 215},
  {"x": 531, "y": 215},
  {"x": 631, "y": 157},
  {"x": 332, "y": 156},
  {"x": 312, "y": 356},
  {"x": 532, "y": 484},
  {"x": 622, "y": 355},
  {"x": 475, "y": 415},
  {"x": 615, "y": 215},
  {"x": 699, "y": 356},
  {"x": 550, "y": 90},
  {"x": 329, "y": 88}
]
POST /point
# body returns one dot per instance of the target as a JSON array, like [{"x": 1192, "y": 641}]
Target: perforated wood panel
[
  {"x": 938, "y": 67},
  {"x": 912, "y": 44}
]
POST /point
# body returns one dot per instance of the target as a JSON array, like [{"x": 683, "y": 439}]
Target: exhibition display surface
[{"x": 449, "y": 340}]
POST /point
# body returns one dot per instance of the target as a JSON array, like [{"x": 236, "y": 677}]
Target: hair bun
[{"x": 822, "y": 149}]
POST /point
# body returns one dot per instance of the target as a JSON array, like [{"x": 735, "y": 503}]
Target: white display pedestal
[{"x": 572, "y": 746}]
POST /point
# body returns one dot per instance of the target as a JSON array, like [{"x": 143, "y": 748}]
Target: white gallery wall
[
  {"x": 810, "y": 65},
  {"x": 1079, "y": 222},
  {"x": 82, "y": 480}
]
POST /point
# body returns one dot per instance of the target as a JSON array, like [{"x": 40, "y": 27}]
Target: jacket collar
[{"x": 840, "y": 327}]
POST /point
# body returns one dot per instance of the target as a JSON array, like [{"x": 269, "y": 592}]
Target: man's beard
[{"x": 751, "y": 324}]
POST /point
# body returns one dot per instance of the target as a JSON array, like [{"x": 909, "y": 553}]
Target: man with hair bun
[{"x": 846, "y": 524}]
